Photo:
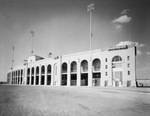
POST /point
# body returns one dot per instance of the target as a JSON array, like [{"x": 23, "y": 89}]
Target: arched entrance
[
  {"x": 18, "y": 82},
  {"x": 96, "y": 72},
  {"x": 42, "y": 75},
  {"x": 117, "y": 71},
  {"x": 64, "y": 74},
  {"x": 28, "y": 76},
  {"x": 32, "y": 76},
  {"x": 21, "y": 75},
  {"x": 73, "y": 74},
  {"x": 84, "y": 73},
  {"x": 49, "y": 74},
  {"x": 37, "y": 76},
  {"x": 16, "y": 77}
]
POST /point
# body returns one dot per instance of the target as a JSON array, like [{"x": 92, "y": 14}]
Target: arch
[
  {"x": 37, "y": 70},
  {"x": 18, "y": 72},
  {"x": 84, "y": 73},
  {"x": 28, "y": 76},
  {"x": 28, "y": 71},
  {"x": 32, "y": 71},
  {"x": 49, "y": 69},
  {"x": 21, "y": 72},
  {"x": 96, "y": 64},
  {"x": 42, "y": 75},
  {"x": 32, "y": 75},
  {"x": 84, "y": 66},
  {"x": 117, "y": 71},
  {"x": 73, "y": 73},
  {"x": 116, "y": 62},
  {"x": 116, "y": 59},
  {"x": 18, "y": 77},
  {"x": 64, "y": 74},
  {"x": 49, "y": 74},
  {"x": 96, "y": 75},
  {"x": 43, "y": 69},
  {"x": 73, "y": 66},
  {"x": 37, "y": 75},
  {"x": 64, "y": 67}
]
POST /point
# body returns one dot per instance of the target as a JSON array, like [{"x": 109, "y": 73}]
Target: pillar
[
  {"x": 90, "y": 72},
  {"x": 34, "y": 75},
  {"x": 39, "y": 74},
  {"x": 52, "y": 74},
  {"x": 68, "y": 74},
  {"x": 45, "y": 83},
  {"x": 78, "y": 73},
  {"x": 30, "y": 75}
]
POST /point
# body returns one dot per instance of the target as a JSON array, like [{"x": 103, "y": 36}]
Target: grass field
[{"x": 71, "y": 101}]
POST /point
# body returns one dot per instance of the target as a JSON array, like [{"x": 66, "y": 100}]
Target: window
[
  {"x": 128, "y": 57},
  {"x": 106, "y": 83},
  {"x": 128, "y": 65},
  {"x": 128, "y": 72},
  {"x": 105, "y": 66},
  {"x": 105, "y": 73},
  {"x": 105, "y": 59}
]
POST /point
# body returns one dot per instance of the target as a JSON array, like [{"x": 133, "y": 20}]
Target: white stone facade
[{"x": 114, "y": 67}]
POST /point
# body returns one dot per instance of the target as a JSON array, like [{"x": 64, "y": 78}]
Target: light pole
[
  {"x": 12, "y": 62},
  {"x": 90, "y": 8},
  {"x": 32, "y": 35},
  {"x": 25, "y": 71}
]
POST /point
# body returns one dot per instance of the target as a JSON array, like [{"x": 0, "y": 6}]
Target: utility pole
[{"x": 90, "y": 8}]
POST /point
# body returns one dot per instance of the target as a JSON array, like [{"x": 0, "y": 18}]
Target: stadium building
[{"x": 114, "y": 67}]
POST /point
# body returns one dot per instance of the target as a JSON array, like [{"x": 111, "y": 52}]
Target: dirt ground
[{"x": 18, "y": 100}]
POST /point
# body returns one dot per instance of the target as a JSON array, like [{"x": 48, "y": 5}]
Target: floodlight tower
[
  {"x": 32, "y": 35},
  {"x": 12, "y": 63},
  {"x": 90, "y": 8}
]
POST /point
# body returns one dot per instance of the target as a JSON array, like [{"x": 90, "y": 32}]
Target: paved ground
[{"x": 73, "y": 101}]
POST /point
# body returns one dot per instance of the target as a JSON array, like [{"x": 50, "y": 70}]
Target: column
[
  {"x": 17, "y": 78},
  {"x": 52, "y": 74},
  {"x": 39, "y": 74},
  {"x": 34, "y": 75},
  {"x": 45, "y": 83},
  {"x": 20, "y": 76},
  {"x": 68, "y": 74},
  {"x": 90, "y": 72},
  {"x": 78, "y": 73},
  {"x": 30, "y": 75},
  {"x": 25, "y": 76}
]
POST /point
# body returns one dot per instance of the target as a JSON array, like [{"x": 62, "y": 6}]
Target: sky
[{"x": 62, "y": 27}]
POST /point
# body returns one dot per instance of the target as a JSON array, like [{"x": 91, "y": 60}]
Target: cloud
[
  {"x": 139, "y": 52},
  {"x": 122, "y": 19},
  {"x": 125, "y": 43},
  {"x": 118, "y": 27},
  {"x": 124, "y": 11},
  {"x": 137, "y": 44},
  {"x": 148, "y": 53}
]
